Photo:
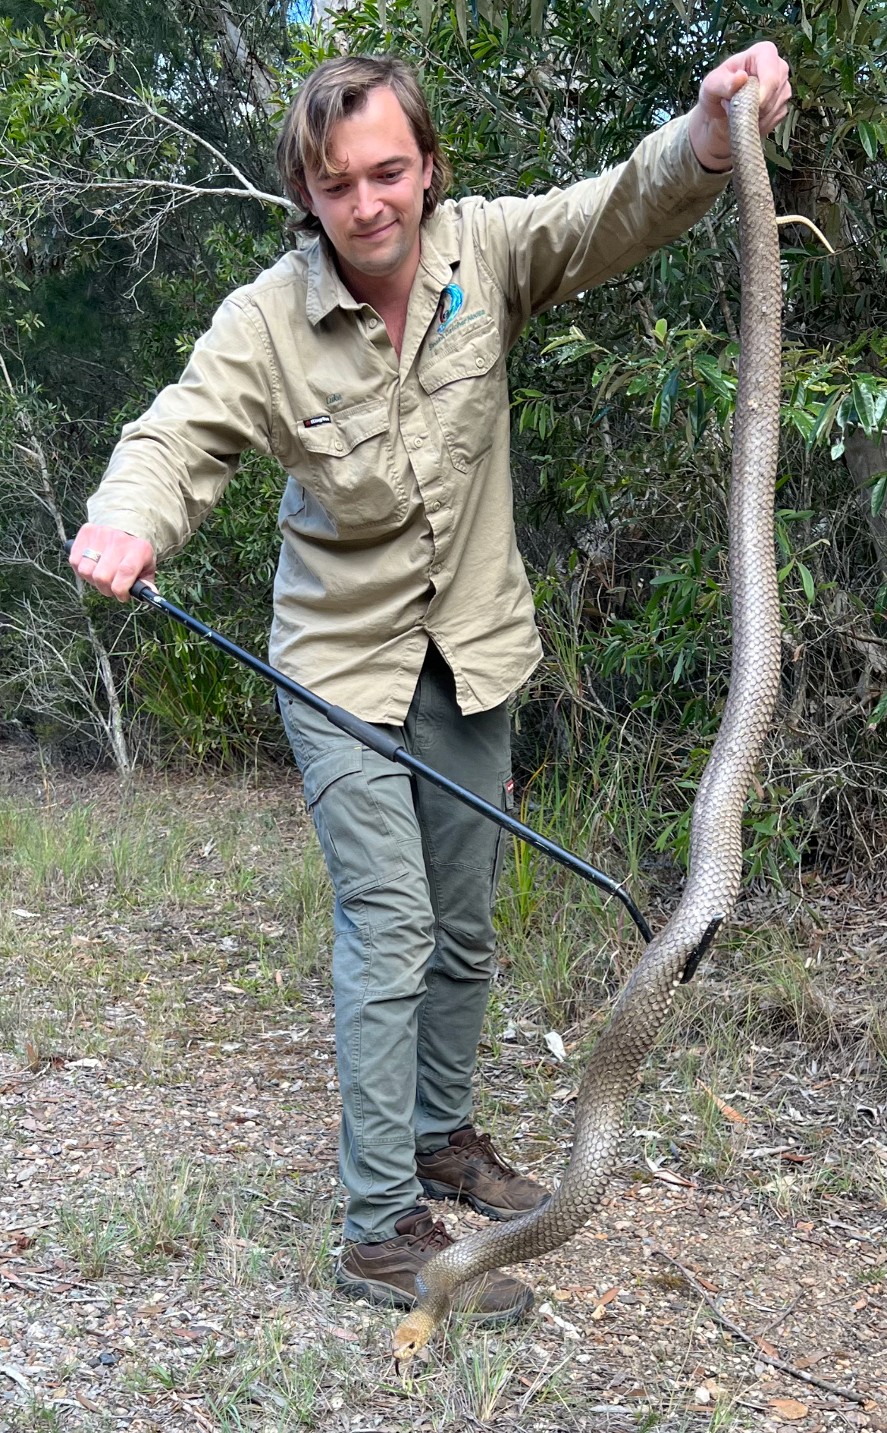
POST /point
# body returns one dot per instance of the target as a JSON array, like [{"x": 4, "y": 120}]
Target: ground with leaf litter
[{"x": 169, "y": 1208}]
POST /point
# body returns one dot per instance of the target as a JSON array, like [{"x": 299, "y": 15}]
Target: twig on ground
[
  {"x": 779, "y": 1318},
  {"x": 751, "y": 1339}
]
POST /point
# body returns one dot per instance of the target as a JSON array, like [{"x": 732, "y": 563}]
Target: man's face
[{"x": 372, "y": 210}]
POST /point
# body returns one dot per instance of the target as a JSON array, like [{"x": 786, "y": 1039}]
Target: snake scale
[{"x": 716, "y": 834}]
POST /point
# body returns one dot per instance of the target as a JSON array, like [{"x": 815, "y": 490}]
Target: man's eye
[{"x": 392, "y": 174}]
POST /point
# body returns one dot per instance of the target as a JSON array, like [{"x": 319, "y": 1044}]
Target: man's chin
[{"x": 378, "y": 266}]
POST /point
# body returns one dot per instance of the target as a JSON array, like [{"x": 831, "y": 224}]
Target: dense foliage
[{"x": 622, "y": 401}]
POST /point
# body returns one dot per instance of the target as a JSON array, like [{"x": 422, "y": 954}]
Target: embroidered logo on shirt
[
  {"x": 451, "y": 300},
  {"x": 317, "y": 422}
]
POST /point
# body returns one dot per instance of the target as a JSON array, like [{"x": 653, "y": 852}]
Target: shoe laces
[
  {"x": 437, "y": 1236},
  {"x": 482, "y": 1147}
]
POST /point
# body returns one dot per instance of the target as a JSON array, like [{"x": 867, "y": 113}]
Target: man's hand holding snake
[{"x": 709, "y": 126}]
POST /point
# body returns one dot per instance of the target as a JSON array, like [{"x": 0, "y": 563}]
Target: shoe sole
[
  {"x": 463, "y": 1196},
  {"x": 388, "y": 1296}
]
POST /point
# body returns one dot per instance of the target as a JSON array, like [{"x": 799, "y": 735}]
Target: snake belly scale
[{"x": 716, "y": 835}]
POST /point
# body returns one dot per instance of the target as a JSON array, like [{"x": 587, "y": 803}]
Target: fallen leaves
[
  {"x": 789, "y": 1409},
  {"x": 726, "y": 1110},
  {"x": 600, "y": 1308},
  {"x": 556, "y": 1045}
]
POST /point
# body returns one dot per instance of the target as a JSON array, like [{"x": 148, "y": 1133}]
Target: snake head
[{"x": 411, "y": 1335}]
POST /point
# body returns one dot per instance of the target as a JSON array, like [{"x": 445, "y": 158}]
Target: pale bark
[{"x": 111, "y": 721}]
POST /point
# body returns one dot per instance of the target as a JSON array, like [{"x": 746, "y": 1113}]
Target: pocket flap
[
  {"x": 470, "y": 356},
  {"x": 322, "y": 771},
  {"x": 346, "y": 430}
]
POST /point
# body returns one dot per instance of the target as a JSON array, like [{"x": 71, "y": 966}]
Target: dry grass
[{"x": 169, "y": 1209}]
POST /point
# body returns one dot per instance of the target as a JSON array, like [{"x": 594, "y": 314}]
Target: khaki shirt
[{"x": 396, "y": 519}]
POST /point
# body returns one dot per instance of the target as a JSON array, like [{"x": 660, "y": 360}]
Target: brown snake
[{"x": 716, "y": 835}]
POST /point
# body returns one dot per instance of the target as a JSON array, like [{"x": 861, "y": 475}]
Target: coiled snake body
[{"x": 715, "y": 846}]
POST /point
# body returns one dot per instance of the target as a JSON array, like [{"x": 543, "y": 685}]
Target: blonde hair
[{"x": 335, "y": 90}]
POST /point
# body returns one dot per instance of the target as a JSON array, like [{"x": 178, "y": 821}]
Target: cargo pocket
[{"x": 359, "y": 844}]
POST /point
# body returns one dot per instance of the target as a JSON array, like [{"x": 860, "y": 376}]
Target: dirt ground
[{"x": 169, "y": 1206}]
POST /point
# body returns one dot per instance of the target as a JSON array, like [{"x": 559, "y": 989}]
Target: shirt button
[
  {"x": 435, "y": 507},
  {"x": 478, "y": 363},
  {"x": 372, "y": 322},
  {"x": 434, "y": 570},
  {"x": 417, "y": 442},
  {"x": 340, "y": 447}
]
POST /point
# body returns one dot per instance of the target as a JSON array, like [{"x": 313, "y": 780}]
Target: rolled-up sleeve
[{"x": 172, "y": 465}]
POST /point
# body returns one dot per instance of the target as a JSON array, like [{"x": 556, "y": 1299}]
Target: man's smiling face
[{"x": 370, "y": 206}]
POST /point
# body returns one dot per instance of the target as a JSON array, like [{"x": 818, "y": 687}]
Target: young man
[{"x": 371, "y": 363}]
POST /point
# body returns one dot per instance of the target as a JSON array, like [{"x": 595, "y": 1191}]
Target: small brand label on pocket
[{"x": 317, "y": 422}]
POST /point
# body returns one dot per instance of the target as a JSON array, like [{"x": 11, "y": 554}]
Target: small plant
[
  {"x": 790, "y": 997},
  {"x": 484, "y": 1370},
  {"x": 36, "y": 1416},
  {"x": 308, "y": 1235},
  {"x": 169, "y": 1211},
  {"x": 95, "y": 1236}
]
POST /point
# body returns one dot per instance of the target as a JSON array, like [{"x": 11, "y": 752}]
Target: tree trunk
[{"x": 866, "y": 458}]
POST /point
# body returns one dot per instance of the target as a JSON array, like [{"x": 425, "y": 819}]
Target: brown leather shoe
[
  {"x": 468, "y": 1168},
  {"x": 385, "y": 1273}
]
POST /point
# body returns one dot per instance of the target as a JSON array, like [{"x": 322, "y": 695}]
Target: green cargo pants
[{"x": 414, "y": 872}]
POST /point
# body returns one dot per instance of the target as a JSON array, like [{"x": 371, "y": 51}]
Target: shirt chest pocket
[
  {"x": 464, "y": 383},
  {"x": 348, "y": 466}
]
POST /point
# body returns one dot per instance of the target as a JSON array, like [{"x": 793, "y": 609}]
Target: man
[{"x": 371, "y": 363}]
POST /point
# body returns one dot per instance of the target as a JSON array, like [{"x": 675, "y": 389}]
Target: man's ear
[{"x": 304, "y": 199}]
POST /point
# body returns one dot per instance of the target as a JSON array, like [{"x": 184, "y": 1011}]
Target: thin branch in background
[
  {"x": 33, "y": 187},
  {"x": 36, "y": 457},
  {"x": 726, "y": 312},
  {"x": 835, "y": 1389}
]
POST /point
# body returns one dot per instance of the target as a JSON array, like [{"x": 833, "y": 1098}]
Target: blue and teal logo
[{"x": 451, "y": 300}]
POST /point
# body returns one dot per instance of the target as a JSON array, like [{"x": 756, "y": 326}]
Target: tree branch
[
  {"x": 748, "y": 1338},
  {"x": 113, "y": 724}
]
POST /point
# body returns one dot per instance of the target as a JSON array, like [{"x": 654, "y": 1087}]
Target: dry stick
[
  {"x": 719, "y": 270},
  {"x": 779, "y": 1363},
  {"x": 38, "y": 459}
]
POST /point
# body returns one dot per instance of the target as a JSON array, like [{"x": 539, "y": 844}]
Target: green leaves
[
  {"x": 663, "y": 403},
  {"x": 831, "y": 396},
  {"x": 871, "y": 136},
  {"x": 878, "y": 713},
  {"x": 879, "y": 493}
]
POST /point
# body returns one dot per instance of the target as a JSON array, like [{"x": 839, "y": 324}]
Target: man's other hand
[
  {"x": 112, "y": 560},
  {"x": 709, "y": 130}
]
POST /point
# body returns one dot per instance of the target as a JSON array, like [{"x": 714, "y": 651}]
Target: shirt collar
[
  {"x": 326, "y": 291},
  {"x": 440, "y": 245},
  {"x": 325, "y": 288}
]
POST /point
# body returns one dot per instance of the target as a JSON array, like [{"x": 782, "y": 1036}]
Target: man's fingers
[
  {"x": 111, "y": 560},
  {"x": 126, "y": 575},
  {"x": 733, "y": 83},
  {"x": 762, "y": 60}
]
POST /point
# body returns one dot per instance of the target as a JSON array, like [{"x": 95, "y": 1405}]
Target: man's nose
[{"x": 367, "y": 202}]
